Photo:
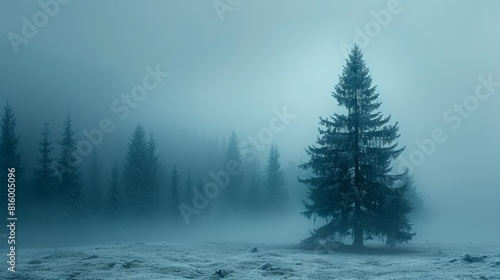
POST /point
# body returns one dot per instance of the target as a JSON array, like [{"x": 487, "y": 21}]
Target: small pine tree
[
  {"x": 276, "y": 192},
  {"x": 44, "y": 178},
  {"x": 114, "y": 205},
  {"x": 135, "y": 173},
  {"x": 353, "y": 188},
  {"x": 9, "y": 155},
  {"x": 234, "y": 189},
  {"x": 68, "y": 166}
]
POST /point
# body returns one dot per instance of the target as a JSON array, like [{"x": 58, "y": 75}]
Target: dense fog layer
[{"x": 192, "y": 73}]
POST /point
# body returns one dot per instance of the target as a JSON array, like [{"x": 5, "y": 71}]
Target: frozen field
[{"x": 236, "y": 261}]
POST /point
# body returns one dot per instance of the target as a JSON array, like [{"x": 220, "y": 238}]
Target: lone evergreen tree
[
  {"x": 70, "y": 185},
  {"x": 352, "y": 186},
  {"x": 114, "y": 206},
  {"x": 44, "y": 179},
  {"x": 275, "y": 184}
]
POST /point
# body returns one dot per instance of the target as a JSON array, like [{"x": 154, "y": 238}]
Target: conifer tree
[
  {"x": 68, "y": 168},
  {"x": 234, "y": 190},
  {"x": 276, "y": 192},
  {"x": 134, "y": 174},
  {"x": 9, "y": 155},
  {"x": 44, "y": 179},
  {"x": 353, "y": 186}
]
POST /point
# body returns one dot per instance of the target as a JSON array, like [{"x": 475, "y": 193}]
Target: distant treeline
[{"x": 208, "y": 177}]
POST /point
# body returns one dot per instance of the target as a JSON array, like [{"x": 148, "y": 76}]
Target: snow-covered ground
[{"x": 222, "y": 260}]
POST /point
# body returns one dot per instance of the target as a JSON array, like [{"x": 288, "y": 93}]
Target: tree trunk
[
  {"x": 358, "y": 237},
  {"x": 358, "y": 229}
]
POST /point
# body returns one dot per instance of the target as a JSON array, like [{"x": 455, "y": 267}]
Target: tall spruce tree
[
  {"x": 134, "y": 174},
  {"x": 277, "y": 196},
  {"x": 234, "y": 190},
  {"x": 68, "y": 168},
  {"x": 114, "y": 205},
  {"x": 44, "y": 178},
  {"x": 353, "y": 187}
]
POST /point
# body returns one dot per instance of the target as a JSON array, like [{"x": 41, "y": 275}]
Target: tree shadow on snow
[
  {"x": 337, "y": 247},
  {"x": 376, "y": 250}
]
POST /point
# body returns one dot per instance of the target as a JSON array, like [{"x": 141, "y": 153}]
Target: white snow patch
[{"x": 223, "y": 260}]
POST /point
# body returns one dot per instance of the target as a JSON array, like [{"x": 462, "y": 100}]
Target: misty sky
[{"x": 230, "y": 74}]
